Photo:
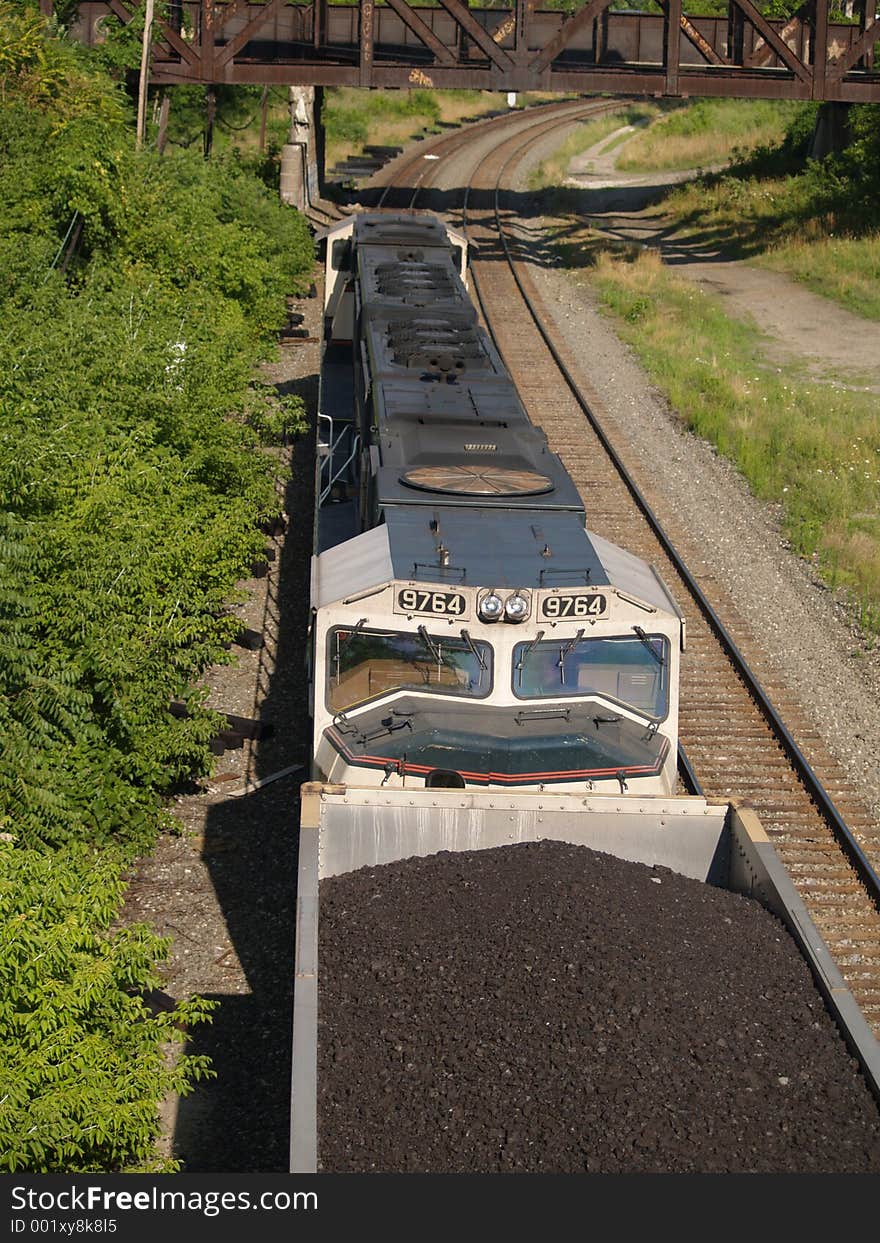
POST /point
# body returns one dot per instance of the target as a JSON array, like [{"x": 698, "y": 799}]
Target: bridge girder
[{"x": 515, "y": 48}]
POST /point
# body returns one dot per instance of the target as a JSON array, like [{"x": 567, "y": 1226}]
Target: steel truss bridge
[{"x": 517, "y": 47}]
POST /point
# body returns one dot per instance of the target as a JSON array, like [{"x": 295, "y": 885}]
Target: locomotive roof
[
  {"x": 490, "y": 401},
  {"x": 467, "y": 441},
  {"x": 399, "y": 229},
  {"x": 431, "y": 461},
  {"x": 443, "y": 341},
  {"x": 346, "y": 227},
  {"x": 485, "y": 550},
  {"x": 394, "y": 277}
]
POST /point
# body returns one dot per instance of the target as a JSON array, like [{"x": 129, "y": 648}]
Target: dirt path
[{"x": 830, "y": 344}]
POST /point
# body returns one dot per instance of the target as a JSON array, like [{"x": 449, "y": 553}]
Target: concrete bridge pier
[
  {"x": 299, "y": 155},
  {"x": 831, "y": 132}
]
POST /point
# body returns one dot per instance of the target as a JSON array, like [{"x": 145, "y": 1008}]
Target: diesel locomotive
[{"x": 468, "y": 630}]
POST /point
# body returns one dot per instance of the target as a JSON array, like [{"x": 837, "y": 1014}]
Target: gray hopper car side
[{"x": 345, "y": 828}]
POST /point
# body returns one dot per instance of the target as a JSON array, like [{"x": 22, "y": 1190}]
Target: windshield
[
  {"x": 364, "y": 664},
  {"x": 629, "y": 669}
]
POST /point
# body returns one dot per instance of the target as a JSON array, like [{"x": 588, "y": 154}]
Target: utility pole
[
  {"x": 210, "y": 114},
  {"x": 264, "y": 108},
  {"x": 145, "y": 74},
  {"x": 164, "y": 109}
]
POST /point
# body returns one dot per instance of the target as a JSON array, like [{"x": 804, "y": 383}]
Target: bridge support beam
[
  {"x": 672, "y": 45},
  {"x": 299, "y": 164},
  {"x": 831, "y": 132}
]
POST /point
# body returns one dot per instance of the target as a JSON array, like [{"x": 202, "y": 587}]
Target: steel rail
[
  {"x": 798, "y": 760},
  {"x": 563, "y": 111}
]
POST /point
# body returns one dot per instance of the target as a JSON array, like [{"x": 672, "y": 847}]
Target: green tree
[{"x": 137, "y": 296}]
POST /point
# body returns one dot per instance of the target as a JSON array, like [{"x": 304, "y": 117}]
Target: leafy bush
[
  {"x": 848, "y": 183},
  {"x": 84, "y": 1060},
  {"x": 137, "y": 295},
  {"x": 129, "y": 448},
  {"x": 707, "y": 131},
  {"x": 345, "y": 126}
]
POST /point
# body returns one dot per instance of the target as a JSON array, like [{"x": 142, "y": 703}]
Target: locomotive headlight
[
  {"x": 491, "y": 607},
  {"x": 516, "y": 608}
]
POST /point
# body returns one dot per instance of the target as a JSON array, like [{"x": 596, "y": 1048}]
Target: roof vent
[{"x": 461, "y": 480}]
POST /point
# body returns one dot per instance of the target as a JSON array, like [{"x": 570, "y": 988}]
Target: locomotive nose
[{"x": 427, "y": 735}]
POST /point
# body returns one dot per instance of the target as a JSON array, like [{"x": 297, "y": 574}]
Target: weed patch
[
  {"x": 813, "y": 451},
  {"x": 707, "y": 132}
]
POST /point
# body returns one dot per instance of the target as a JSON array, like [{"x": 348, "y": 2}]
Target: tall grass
[
  {"x": 777, "y": 222},
  {"x": 354, "y": 117},
  {"x": 744, "y": 215},
  {"x": 818, "y": 221},
  {"x": 707, "y": 132},
  {"x": 846, "y": 269},
  {"x": 812, "y": 450}
]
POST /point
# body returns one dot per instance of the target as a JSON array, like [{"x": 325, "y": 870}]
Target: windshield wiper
[
  {"x": 386, "y": 726},
  {"x": 643, "y": 638},
  {"x": 339, "y": 643},
  {"x": 524, "y": 653},
  {"x": 475, "y": 650},
  {"x": 354, "y": 630},
  {"x": 430, "y": 645},
  {"x": 563, "y": 652}
]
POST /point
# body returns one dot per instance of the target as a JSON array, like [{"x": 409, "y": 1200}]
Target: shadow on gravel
[
  {"x": 240, "y": 1121},
  {"x": 613, "y": 212},
  {"x": 525, "y": 203}
]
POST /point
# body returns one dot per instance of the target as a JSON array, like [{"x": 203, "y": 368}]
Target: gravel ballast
[
  {"x": 824, "y": 660},
  {"x": 546, "y": 1008}
]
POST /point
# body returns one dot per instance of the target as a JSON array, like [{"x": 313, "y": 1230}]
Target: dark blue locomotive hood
[{"x": 516, "y": 746}]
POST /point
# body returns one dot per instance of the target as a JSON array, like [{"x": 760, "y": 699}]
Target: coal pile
[{"x": 546, "y": 1008}]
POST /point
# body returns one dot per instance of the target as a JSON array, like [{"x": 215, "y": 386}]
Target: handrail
[{"x": 356, "y": 443}]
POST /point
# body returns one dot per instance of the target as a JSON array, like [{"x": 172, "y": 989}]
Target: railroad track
[
  {"x": 414, "y": 173},
  {"x": 745, "y": 740}
]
